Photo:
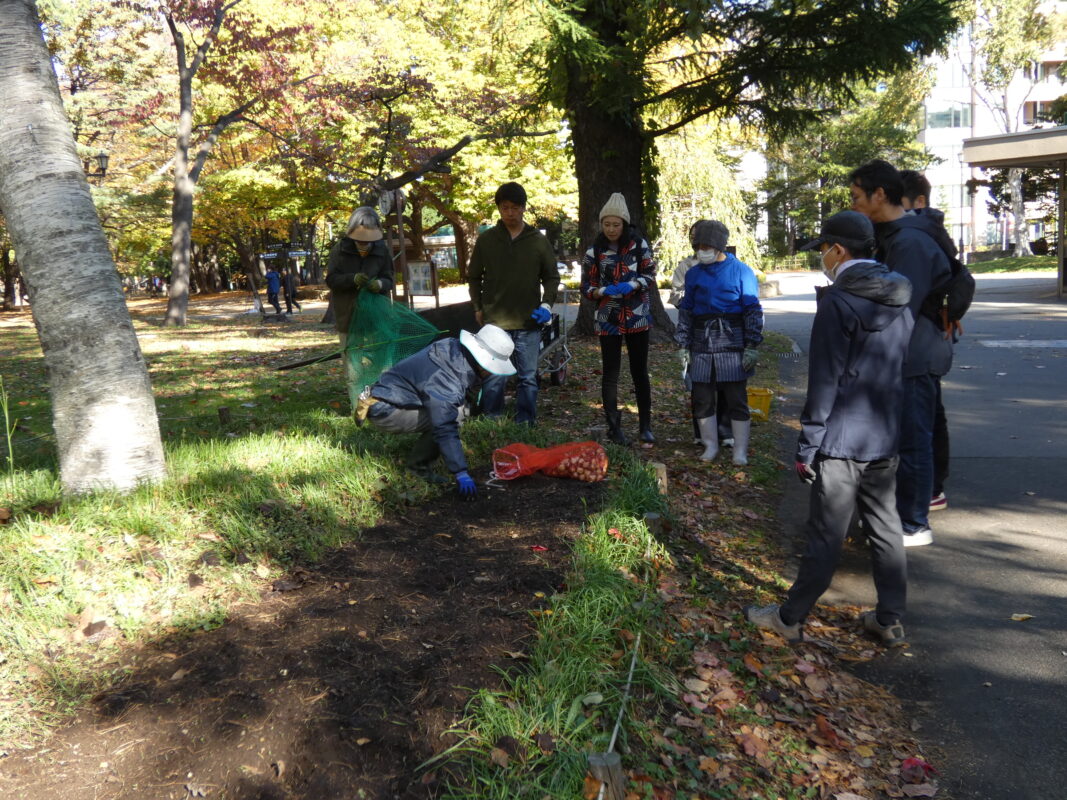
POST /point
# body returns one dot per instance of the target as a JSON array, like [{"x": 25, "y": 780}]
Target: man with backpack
[
  {"x": 916, "y": 201},
  {"x": 921, "y": 250}
]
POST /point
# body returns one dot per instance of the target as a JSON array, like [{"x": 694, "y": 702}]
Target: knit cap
[
  {"x": 615, "y": 207},
  {"x": 710, "y": 232}
]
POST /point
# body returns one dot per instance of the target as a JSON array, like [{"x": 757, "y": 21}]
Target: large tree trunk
[
  {"x": 181, "y": 211},
  {"x": 607, "y": 158},
  {"x": 102, "y": 406},
  {"x": 1018, "y": 210}
]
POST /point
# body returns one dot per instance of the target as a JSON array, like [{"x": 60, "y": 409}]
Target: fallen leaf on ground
[
  {"x": 545, "y": 742},
  {"x": 919, "y": 789},
  {"x": 1021, "y": 617},
  {"x": 696, "y": 685}
]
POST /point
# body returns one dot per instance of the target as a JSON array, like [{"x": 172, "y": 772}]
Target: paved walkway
[{"x": 990, "y": 691}]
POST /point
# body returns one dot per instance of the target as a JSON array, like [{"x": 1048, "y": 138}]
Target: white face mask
[
  {"x": 707, "y": 256},
  {"x": 827, "y": 270}
]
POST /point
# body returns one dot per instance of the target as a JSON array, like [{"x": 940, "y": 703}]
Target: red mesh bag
[{"x": 585, "y": 461}]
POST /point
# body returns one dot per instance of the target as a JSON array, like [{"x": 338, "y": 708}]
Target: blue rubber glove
[
  {"x": 616, "y": 289},
  {"x": 541, "y": 315},
  {"x": 468, "y": 489}
]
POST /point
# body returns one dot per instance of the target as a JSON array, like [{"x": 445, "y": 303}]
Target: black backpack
[{"x": 947, "y": 303}]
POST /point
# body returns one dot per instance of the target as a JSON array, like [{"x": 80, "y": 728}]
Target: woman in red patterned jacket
[{"x": 618, "y": 272}]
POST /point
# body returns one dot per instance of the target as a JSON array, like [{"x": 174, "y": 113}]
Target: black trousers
[
  {"x": 734, "y": 400},
  {"x": 840, "y": 487},
  {"x": 611, "y": 361}
]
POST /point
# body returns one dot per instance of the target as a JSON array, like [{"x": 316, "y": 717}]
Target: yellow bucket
[{"x": 759, "y": 402}]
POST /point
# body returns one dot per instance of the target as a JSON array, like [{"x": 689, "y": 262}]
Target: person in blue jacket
[
  {"x": 849, "y": 428},
  {"x": 426, "y": 393},
  {"x": 720, "y": 327},
  {"x": 274, "y": 283}
]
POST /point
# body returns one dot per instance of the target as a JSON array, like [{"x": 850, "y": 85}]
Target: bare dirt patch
[{"x": 342, "y": 680}]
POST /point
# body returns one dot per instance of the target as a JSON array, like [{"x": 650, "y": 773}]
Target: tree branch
[{"x": 438, "y": 160}]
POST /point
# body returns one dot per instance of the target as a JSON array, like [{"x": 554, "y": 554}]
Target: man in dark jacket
[
  {"x": 916, "y": 201},
  {"x": 916, "y": 247},
  {"x": 513, "y": 281},
  {"x": 274, "y": 281},
  {"x": 849, "y": 427},
  {"x": 426, "y": 393}
]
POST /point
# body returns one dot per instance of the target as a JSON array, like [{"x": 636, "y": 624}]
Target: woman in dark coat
[{"x": 360, "y": 260}]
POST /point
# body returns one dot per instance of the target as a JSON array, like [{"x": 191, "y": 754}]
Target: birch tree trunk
[
  {"x": 102, "y": 407},
  {"x": 1018, "y": 210}
]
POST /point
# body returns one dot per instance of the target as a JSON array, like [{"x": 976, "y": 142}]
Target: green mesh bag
[{"x": 380, "y": 333}]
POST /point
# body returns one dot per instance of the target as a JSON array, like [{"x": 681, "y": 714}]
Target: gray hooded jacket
[{"x": 858, "y": 341}]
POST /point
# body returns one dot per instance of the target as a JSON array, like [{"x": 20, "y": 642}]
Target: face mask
[
  {"x": 827, "y": 270},
  {"x": 707, "y": 256}
]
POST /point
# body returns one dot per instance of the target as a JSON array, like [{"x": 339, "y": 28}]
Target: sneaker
[
  {"x": 939, "y": 503},
  {"x": 918, "y": 538},
  {"x": 891, "y": 635},
  {"x": 769, "y": 619}
]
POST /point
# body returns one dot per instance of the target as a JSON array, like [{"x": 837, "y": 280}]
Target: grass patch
[
  {"x": 1011, "y": 264},
  {"x": 286, "y": 479},
  {"x": 563, "y": 705}
]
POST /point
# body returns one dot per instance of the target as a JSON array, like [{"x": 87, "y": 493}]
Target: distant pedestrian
[
  {"x": 274, "y": 282},
  {"x": 720, "y": 327},
  {"x": 918, "y": 248},
  {"x": 513, "y": 282},
  {"x": 290, "y": 285},
  {"x": 618, "y": 273},
  {"x": 849, "y": 429}
]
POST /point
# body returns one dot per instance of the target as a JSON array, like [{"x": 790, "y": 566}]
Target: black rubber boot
[
  {"x": 421, "y": 457},
  {"x": 644, "y": 417},
  {"x": 615, "y": 433}
]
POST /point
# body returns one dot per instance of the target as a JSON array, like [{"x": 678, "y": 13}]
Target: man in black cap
[{"x": 850, "y": 426}]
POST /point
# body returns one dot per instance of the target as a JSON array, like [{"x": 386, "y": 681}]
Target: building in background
[{"x": 957, "y": 109}]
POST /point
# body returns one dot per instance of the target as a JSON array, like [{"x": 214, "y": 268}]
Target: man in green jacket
[{"x": 513, "y": 283}]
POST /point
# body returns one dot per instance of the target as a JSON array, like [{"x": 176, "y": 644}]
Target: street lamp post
[{"x": 102, "y": 158}]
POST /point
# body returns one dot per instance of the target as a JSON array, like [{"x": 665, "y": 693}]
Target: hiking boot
[
  {"x": 939, "y": 503},
  {"x": 891, "y": 635},
  {"x": 769, "y": 619},
  {"x": 918, "y": 538}
]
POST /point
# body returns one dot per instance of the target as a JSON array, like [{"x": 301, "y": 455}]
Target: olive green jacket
[{"x": 509, "y": 278}]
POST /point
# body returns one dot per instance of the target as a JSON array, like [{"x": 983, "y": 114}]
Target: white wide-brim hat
[{"x": 491, "y": 347}]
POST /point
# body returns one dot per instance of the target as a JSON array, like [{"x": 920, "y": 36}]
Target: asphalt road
[{"x": 989, "y": 692}]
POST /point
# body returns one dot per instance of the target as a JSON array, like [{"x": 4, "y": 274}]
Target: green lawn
[{"x": 1024, "y": 264}]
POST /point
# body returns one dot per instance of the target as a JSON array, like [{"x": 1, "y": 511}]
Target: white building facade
[{"x": 955, "y": 110}]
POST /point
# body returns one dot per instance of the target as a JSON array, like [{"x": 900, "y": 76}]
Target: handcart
[{"x": 554, "y": 355}]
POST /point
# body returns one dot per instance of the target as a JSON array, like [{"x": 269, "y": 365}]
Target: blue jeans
[
  {"x": 915, "y": 475},
  {"x": 527, "y": 349}
]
